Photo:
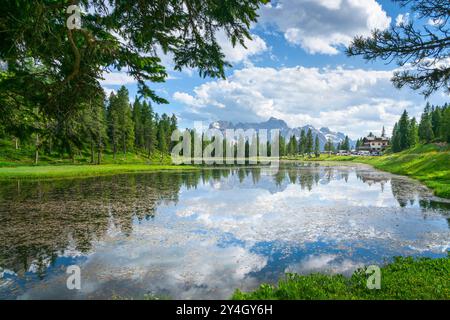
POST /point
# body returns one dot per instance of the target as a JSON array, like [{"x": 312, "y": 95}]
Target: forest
[
  {"x": 434, "y": 126},
  {"x": 106, "y": 124}
]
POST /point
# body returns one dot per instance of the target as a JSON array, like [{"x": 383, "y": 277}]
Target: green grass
[
  {"x": 404, "y": 278},
  {"x": 429, "y": 164},
  {"x": 74, "y": 171},
  {"x": 24, "y": 156},
  {"x": 19, "y": 163}
]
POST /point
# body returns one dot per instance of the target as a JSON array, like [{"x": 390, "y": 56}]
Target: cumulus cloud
[
  {"x": 354, "y": 101},
  {"x": 322, "y": 26},
  {"x": 238, "y": 53}
]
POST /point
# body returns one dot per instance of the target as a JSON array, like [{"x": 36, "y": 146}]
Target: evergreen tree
[
  {"x": 95, "y": 128},
  {"x": 404, "y": 131},
  {"x": 161, "y": 137},
  {"x": 446, "y": 124},
  {"x": 138, "y": 124},
  {"x": 302, "y": 143},
  {"x": 125, "y": 121},
  {"x": 172, "y": 127},
  {"x": 317, "y": 146},
  {"x": 413, "y": 133},
  {"x": 149, "y": 127},
  {"x": 395, "y": 141},
  {"x": 436, "y": 122},
  {"x": 309, "y": 142},
  {"x": 346, "y": 144},
  {"x": 282, "y": 142},
  {"x": 292, "y": 145},
  {"x": 113, "y": 123},
  {"x": 329, "y": 146},
  {"x": 425, "y": 127}
]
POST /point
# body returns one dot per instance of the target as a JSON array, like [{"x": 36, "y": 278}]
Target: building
[{"x": 373, "y": 143}]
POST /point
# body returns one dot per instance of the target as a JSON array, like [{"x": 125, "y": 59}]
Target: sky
[{"x": 295, "y": 69}]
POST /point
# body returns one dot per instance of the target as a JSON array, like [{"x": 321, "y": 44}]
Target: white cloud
[
  {"x": 323, "y": 26},
  {"x": 354, "y": 101},
  {"x": 238, "y": 53},
  {"x": 325, "y": 263},
  {"x": 108, "y": 91},
  {"x": 186, "y": 98},
  {"x": 117, "y": 78},
  {"x": 436, "y": 22},
  {"x": 402, "y": 19}
]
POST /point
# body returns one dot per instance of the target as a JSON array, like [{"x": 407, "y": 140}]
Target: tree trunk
[
  {"x": 99, "y": 150},
  {"x": 92, "y": 151},
  {"x": 99, "y": 156},
  {"x": 124, "y": 145},
  {"x": 36, "y": 154},
  {"x": 16, "y": 140}
]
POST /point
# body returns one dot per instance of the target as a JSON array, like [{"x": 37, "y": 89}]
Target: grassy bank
[
  {"x": 405, "y": 278},
  {"x": 429, "y": 164},
  {"x": 74, "y": 171},
  {"x": 19, "y": 164}
]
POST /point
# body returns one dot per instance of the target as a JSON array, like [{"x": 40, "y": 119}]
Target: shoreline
[
  {"x": 424, "y": 164},
  {"x": 51, "y": 172}
]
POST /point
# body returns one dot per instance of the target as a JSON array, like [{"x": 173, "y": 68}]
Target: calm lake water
[{"x": 202, "y": 234}]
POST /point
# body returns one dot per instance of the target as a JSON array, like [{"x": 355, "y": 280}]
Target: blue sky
[{"x": 295, "y": 69}]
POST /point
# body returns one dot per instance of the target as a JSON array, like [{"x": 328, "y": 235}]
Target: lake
[{"x": 202, "y": 234}]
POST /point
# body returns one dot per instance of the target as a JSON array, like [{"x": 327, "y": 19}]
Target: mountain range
[{"x": 324, "y": 133}]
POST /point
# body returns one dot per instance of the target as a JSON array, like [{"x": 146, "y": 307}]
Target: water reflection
[{"x": 201, "y": 234}]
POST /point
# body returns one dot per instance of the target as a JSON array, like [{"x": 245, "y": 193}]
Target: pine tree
[
  {"x": 309, "y": 142},
  {"x": 329, "y": 146},
  {"x": 403, "y": 131},
  {"x": 172, "y": 127},
  {"x": 161, "y": 137},
  {"x": 282, "y": 142},
  {"x": 413, "y": 133},
  {"x": 113, "y": 123},
  {"x": 302, "y": 143},
  {"x": 446, "y": 124},
  {"x": 94, "y": 128},
  {"x": 317, "y": 146},
  {"x": 138, "y": 124},
  {"x": 395, "y": 139},
  {"x": 436, "y": 122},
  {"x": 292, "y": 145},
  {"x": 149, "y": 128},
  {"x": 346, "y": 144},
  {"x": 126, "y": 126},
  {"x": 425, "y": 127}
]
